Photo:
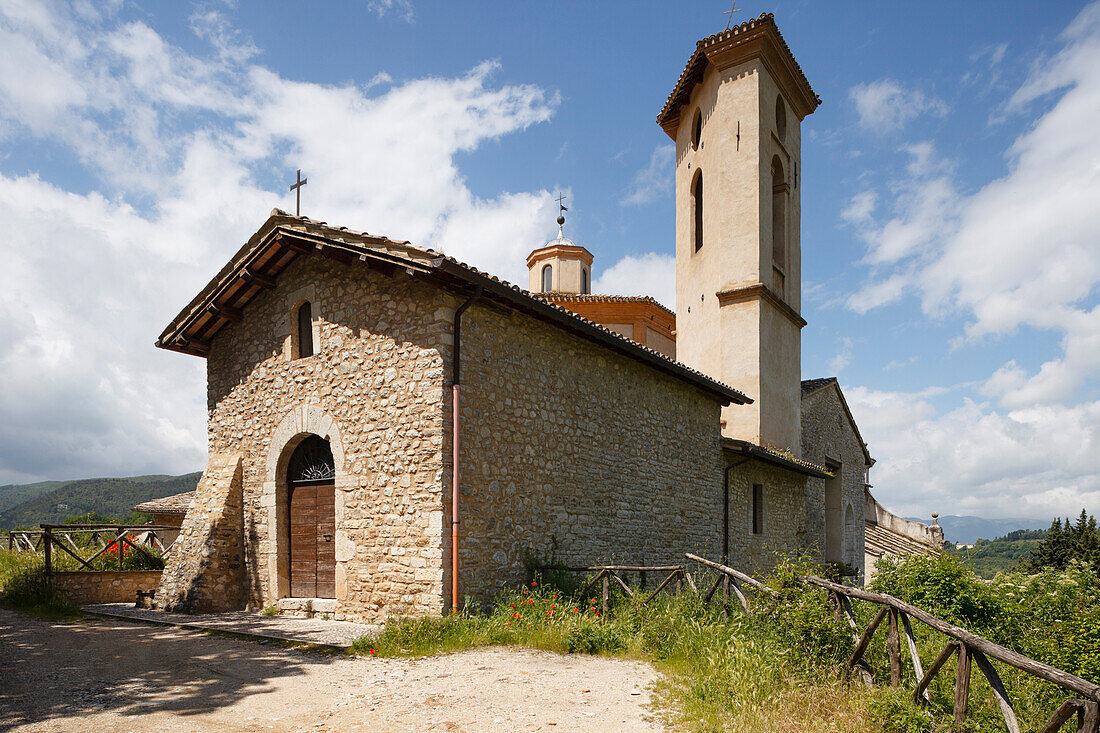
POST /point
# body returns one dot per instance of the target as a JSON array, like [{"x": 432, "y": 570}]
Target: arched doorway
[{"x": 312, "y": 519}]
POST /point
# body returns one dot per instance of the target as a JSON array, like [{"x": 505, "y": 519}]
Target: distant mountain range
[
  {"x": 971, "y": 529},
  {"x": 51, "y": 502}
]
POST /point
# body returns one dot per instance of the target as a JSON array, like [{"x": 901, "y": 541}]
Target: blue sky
[{"x": 951, "y": 233}]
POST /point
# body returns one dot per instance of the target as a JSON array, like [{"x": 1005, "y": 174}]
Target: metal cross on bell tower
[
  {"x": 733, "y": 9},
  {"x": 297, "y": 188}
]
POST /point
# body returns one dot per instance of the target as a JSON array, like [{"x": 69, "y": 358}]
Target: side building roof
[
  {"x": 813, "y": 386},
  {"x": 174, "y": 504},
  {"x": 284, "y": 237}
]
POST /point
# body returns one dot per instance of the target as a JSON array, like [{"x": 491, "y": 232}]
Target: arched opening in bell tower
[
  {"x": 697, "y": 210},
  {"x": 779, "y": 227}
]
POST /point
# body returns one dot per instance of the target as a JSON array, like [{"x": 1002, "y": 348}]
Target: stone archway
[
  {"x": 298, "y": 425},
  {"x": 311, "y": 508}
]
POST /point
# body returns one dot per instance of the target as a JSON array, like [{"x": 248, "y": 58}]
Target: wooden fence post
[
  {"x": 604, "y": 604},
  {"x": 49, "y": 557},
  {"x": 962, "y": 683},
  {"x": 893, "y": 647},
  {"x": 999, "y": 691}
]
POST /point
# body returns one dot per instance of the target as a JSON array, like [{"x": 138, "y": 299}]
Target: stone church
[{"x": 392, "y": 431}]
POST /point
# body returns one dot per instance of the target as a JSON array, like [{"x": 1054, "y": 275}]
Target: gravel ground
[{"x": 99, "y": 674}]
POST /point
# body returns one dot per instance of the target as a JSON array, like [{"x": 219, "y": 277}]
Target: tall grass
[
  {"x": 781, "y": 666},
  {"x": 24, "y": 586}
]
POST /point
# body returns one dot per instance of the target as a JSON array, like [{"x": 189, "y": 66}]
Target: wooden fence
[
  {"x": 677, "y": 576},
  {"x": 76, "y": 540},
  {"x": 966, "y": 646}
]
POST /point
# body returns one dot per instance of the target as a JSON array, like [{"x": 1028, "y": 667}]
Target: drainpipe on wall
[
  {"x": 454, "y": 443},
  {"x": 726, "y": 510}
]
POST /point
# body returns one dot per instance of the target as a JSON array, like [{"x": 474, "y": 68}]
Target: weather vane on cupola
[{"x": 561, "y": 214}]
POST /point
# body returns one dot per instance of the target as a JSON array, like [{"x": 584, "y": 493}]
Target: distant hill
[
  {"x": 971, "y": 529},
  {"x": 110, "y": 497},
  {"x": 14, "y": 494},
  {"x": 989, "y": 557}
]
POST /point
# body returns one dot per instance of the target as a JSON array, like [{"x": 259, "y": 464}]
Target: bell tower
[{"x": 735, "y": 116}]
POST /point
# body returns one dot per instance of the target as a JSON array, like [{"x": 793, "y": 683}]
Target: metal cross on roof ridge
[
  {"x": 733, "y": 9},
  {"x": 297, "y": 188}
]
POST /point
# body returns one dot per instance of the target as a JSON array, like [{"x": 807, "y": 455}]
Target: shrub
[
  {"x": 24, "y": 586},
  {"x": 944, "y": 587}
]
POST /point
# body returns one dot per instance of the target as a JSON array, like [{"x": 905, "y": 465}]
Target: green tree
[{"x": 1066, "y": 542}]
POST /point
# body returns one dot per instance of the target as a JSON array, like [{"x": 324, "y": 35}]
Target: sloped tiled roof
[
  {"x": 174, "y": 504},
  {"x": 697, "y": 64},
  {"x": 879, "y": 541},
  {"x": 774, "y": 457},
  {"x": 283, "y": 237},
  {"x": 811, "y": 386},
  {"x": 594, "y": 298}
]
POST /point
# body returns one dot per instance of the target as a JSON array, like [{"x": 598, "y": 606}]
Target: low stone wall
[{"x": 111, "y": 586}]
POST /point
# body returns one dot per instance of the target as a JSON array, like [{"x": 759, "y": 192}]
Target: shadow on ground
[{"x": 52, "y": 670}]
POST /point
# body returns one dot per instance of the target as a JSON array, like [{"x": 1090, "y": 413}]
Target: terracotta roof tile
[
  {"x": 696, "y": 65},
  {"x": 174, "y": 504},
  {"x": 879, "y": 541},
  {"x": 430, "y": 260},
  {"x": 596, "y": 298}
]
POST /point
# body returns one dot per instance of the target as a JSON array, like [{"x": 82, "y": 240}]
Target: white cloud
[
  {"x": 843, "y": 357},
  {"x": 192, "y": 152},
  {"x": 402, "y": 9},
  {"x": 860, "y": 208},
  {"x": 1018, "y": 254},
  {"x": 885, "y": 105},
  {"x": 655, "y": 180},
  {"x": 974, "y": 459},
  {"x": 649, "y": 274}
]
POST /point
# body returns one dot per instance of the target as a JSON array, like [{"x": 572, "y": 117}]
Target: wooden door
[{"x": 312, "y": 541}]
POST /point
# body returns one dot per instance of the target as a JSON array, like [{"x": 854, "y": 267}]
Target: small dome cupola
[{"x": 560, "y": 265}]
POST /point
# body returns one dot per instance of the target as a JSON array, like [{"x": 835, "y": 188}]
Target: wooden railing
[
  {"x": 967, "y": 646},
  {"x": 24, "y": 540},
  {"x": 677, "y": 575},
  {"x": 76, "y": 540}
]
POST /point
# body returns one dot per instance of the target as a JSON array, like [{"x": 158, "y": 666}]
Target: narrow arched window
[
  {"x": 779, "y": 215},
  {"x": 305, "y": 330},
  {"x": 697, "y": 210},
  {"x": 780, "y": 118},
  {"x": 584, "y": 281},
  {"x": 696, "y": 130},
  {"x": 547, "y": 279}
]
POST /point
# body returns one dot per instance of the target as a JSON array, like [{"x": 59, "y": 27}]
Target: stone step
[{"x": 306, "y": 607}]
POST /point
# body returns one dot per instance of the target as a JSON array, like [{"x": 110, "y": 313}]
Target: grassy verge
[
  {"x": 778, "y": 668},
  {"x": 23, "y": 587}
]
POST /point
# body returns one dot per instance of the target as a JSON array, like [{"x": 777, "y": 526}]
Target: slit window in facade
[
  {"x": 584, "y": 282},
  {"x": 757, "y": 509},
  {"x": 697, "y": 210},
  {"x": 547, "y": 279},
  {"x": 305, "y": 330},
  {"x": 696, "y": 130}
]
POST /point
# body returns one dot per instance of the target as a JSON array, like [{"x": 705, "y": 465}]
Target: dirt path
[{"x": 101, "y": 675}]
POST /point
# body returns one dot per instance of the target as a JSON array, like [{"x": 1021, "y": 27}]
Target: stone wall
[
  {"x": 112, "y": 586},
  {"x": 205, "y": 569},
  {"x": 829, "y": 439},
  {"x": 570, "y": 448},
  {"x": 785, "y": 532},
  {"x": 374, "y": 388}
]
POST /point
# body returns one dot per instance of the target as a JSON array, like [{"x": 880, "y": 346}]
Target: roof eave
[
  {"x": 543, "y": 310},
  {"x": 762, "y": 454}
]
